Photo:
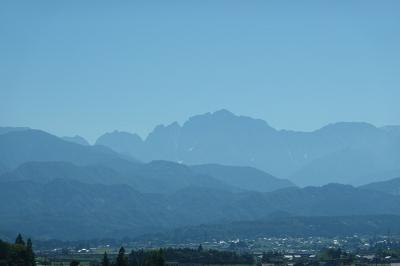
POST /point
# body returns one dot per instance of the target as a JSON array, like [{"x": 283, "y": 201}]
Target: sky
[{"x": 88, "y": 67}]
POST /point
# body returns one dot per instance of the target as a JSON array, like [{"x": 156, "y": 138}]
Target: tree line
[
  {"x": 18, "y": 254},
  {"x": 181, "y": 255}
]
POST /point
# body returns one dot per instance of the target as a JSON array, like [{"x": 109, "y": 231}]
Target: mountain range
[
  {"x": 391, "y": 186},
  {"x": 37, "y": 155},
  {"x": 63, "y": 188},
  {"x": 347, "y": 152},
  {"x": 70, "y": 209}
]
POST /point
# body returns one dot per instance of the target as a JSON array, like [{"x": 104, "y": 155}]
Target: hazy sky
[{"x": 86, "y": 67}]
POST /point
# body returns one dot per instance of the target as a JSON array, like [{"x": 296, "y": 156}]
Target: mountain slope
[
  {"x": 351, "y": 165},
  {"x": 71, "y": 209},
  {"x": 43, "y": 172},
  {"x": 4, "y": 130},
  {"x": 43, "y": 157},
  {"x": 391, "y": 186},
  {"x": 77, "y": 139},
  {"x": 155, "y": 177},
  {"x": 68, "y": 209},
  {"x": 247, "y": 178},
  {"x": 19, "y": 147},
  {"x": 333, "y": 200}
]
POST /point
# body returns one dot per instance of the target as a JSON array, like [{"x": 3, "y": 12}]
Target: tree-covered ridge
[{"x": 17, "y": 254}]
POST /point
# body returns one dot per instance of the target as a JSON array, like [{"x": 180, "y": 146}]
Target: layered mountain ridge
[
  {"x": 57, "y": 188},
  {"x": 346, "y": 152}
]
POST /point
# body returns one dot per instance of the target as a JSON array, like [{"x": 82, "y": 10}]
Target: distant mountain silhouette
[
  {"x": 154, "y": 177},
  {"x": 340, "y": 152},
  {"x": 42, "y": 157},
  {"x": 391, "y": 186},
  {"x": 4, "y": 130},
  {"x": 77, "y": 139},
  {"x": 122, "y": 142},
  {"x": 18, "y": 147},
  {"x": 43, "y": 172}
]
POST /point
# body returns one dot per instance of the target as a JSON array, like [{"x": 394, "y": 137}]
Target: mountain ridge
[
  {"x": 70, "y": 209},
  {"x": 224, "y": 138}
]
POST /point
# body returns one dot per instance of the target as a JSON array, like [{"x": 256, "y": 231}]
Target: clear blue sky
[{"x": 86, "y": 67}]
